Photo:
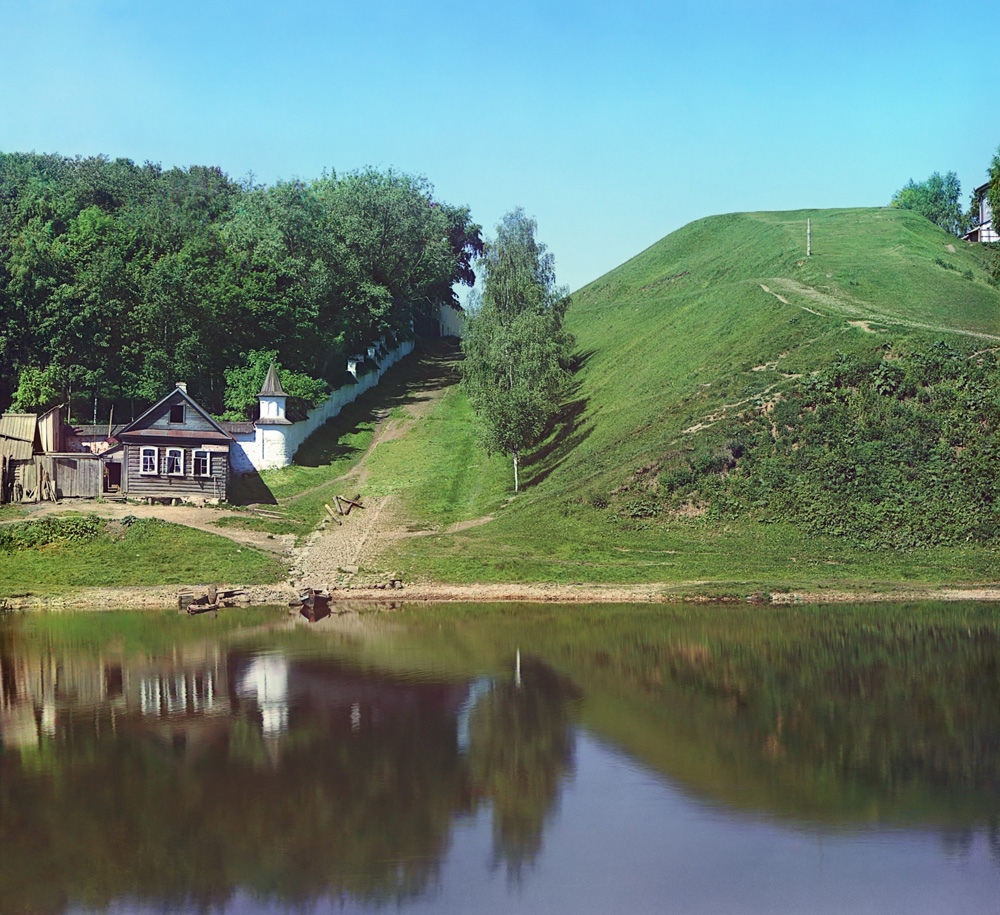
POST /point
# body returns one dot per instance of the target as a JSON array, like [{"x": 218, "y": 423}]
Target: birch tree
[{"x": 516, "y": 348}]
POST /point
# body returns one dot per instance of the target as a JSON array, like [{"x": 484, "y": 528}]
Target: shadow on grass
[
  {"x": 250, "y": 489},
  {"x": 327, "y": 444},
  {"x": 565, "y": 432},
  {"x": 433, "y": 366}
]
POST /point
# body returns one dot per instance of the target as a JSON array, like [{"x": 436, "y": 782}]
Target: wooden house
[
  {"x": 985, "y": 231},
  {"x": 175, "y": 451}
]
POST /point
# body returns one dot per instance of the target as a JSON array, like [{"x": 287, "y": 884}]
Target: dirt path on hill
[
  {"x": 862, "y": 315},
  {"x": 333, "y": 555}
]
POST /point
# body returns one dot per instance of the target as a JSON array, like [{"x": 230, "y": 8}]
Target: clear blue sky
[{"x": 611, "y": 123}]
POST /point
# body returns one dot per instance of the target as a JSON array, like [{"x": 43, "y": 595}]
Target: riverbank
[
  {"x": 433, "y": 519},
  {"x": 165, "y": 597}
]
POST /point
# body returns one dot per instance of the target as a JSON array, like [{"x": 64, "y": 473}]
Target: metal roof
[
  {"x": 18, "y": 434},
  {"x": 166, "y": 435}
]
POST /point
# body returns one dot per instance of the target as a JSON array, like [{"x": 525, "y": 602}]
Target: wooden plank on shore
[
  {"x": 332, "y": 514},
  {"x": 268, "y": 513}
]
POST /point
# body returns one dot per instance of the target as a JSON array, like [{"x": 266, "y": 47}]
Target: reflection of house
[
  {"x": 175, "y": 450},
  {"x": 180, "y": 699},
  {"x": 985, "y": 231}
]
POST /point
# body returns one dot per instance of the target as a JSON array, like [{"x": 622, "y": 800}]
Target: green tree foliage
[
  {"x": 516, "y": 348},
  {"x": 937, "y": 198},
  {"x": 117, "y": 280},
  {"x": 243, "y": 384},
  {"x": 993, "y": 194}
]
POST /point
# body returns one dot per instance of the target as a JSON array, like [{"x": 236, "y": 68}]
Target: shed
[
  {"x": 31, "y": 466},
  {"x": 175, "y": 451}
]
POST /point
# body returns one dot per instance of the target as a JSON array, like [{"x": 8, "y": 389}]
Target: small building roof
[
  {"x": 272, "y": 385},
  {"x": 238, "y": 428},
  {"x": 87, "y": 430},
  {"x": 19, "y": 435},
  {"x": 136, "y": 430}
]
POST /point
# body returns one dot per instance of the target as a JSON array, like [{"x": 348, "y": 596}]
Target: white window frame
[
  {"x": 207, "y": 455},
  {"x": 144, "y": 452},
  {"x": 174, "y": 453}
]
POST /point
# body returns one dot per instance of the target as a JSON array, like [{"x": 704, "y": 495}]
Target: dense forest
[{"x": 118, "y": 279}]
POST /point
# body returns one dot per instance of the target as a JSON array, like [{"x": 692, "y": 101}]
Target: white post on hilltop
[{"x": 809, "y": 243}]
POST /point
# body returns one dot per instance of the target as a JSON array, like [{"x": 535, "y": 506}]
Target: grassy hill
[
  {"x": 744, "y": 420},
  {"x": 687, "y": 331},
  {"x": 722, "y": 375}
]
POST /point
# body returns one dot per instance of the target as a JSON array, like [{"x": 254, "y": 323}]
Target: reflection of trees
[
  {"x": 521, "y": 750},
  {"x": 173, "y": 810}
]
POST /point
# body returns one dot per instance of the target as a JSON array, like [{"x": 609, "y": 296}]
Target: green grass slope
[
  {"x": 686, "y": 348},
  {"x": 684, "y": 332}
]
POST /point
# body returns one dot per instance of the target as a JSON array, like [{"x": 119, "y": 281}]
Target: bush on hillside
[{"x": 895, "y": 451}]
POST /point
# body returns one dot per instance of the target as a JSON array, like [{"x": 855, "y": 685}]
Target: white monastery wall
[
  {"x": 451, "y": 322},
  {"x": 274, "y": 446}
]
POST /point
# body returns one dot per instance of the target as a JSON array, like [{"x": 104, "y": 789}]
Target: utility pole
[{"x": 809, "y": 243}]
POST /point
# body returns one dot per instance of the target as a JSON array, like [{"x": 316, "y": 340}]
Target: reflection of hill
[
  {"x": 849, "y": 716},
  {"x": 846, "y": 715}
]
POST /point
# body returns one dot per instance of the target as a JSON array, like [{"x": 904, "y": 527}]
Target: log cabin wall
[{"x": 185, "y": 486}]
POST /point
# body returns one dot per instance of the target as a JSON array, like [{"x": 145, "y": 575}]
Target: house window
[
  {"x": 177, "y": 414},
  {"x": 175, "y": 462},
  {"x": 147, "y": 460},
  {"x": 202, "y": 464}
]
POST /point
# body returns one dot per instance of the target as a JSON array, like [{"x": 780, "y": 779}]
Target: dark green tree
[
  {"x": 937, "y": 198},
  {"x": 118, "y": 279},
  {"x": 993, "y": 194},
  {"x": 516, "y": 348}
]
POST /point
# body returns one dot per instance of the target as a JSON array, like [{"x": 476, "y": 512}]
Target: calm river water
[{"x": 536, "y": 759}]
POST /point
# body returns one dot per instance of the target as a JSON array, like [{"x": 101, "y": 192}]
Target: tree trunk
[{"x": 514, "y": 455}]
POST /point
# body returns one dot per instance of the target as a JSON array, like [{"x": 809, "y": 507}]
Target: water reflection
[
  {"x": 520, "y": 754},
  {"x": 273, "y": 769},
  {"x": 190, "y": 776}
]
